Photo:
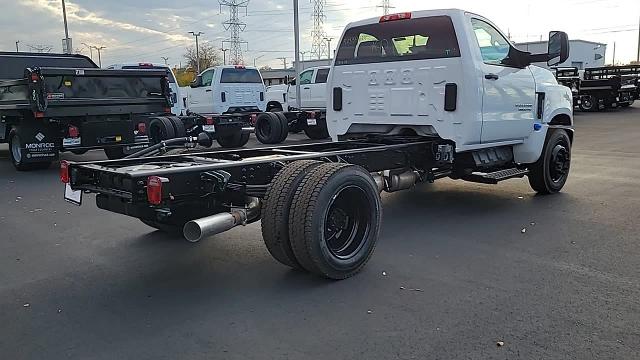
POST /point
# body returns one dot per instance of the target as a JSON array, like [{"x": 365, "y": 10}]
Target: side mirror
[
  {"x": 197, "y": 82},
  {"x": 558, "y": 48}
]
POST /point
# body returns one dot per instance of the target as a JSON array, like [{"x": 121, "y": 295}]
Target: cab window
[
  {"x": 410, "y": 39},
  {"x": 494, "y": 48},
  {"x": 207, "y": 77},
  {"x": 305, "y": 77},
  {"x": 321, "y": 76}
]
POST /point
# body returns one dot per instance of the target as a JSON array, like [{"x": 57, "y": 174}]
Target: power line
[
  {"x": 386, "y": 5},
  {"x": 318, "y": 34},
  {"x": 235, "y": 27}
]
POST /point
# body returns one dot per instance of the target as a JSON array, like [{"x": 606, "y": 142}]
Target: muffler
[
  {"x": 196, "y": 230},
  {"x": 390, "y": 182}
]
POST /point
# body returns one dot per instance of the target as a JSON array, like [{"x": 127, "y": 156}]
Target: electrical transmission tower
[
  {"x": 235, "y": 27},
  {"x": 317, "y": 34},
  {"x": 386, "y": 6}
]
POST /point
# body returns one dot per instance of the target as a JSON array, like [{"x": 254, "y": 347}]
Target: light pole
[
  {"x": 99, "y": 48},
  {"x": 166, "y": 59},
  {"x": 303, "y": 53},
  {"x": 254, "y": 60},
  {"x": 66, "y": 29},
  {"x": 296, "y": 36},
  {"x": 196, "y": 34},
  {"x": 328, "y": 40},
  {"x": 90, "y": 49},
  {"x": 284, "y": 62},
  {"x": 224, "y": 55},
  {"x": 17, "y": 48}
]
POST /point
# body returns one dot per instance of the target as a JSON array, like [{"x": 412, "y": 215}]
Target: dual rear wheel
[{"x": 322, "y": 217}]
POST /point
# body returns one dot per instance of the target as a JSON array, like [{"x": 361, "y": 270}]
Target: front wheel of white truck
[{"x": 549, "y": 174}]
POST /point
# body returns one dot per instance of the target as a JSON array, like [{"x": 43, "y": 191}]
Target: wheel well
[
  {"x": 561, "y": 119},
  {"x": 274, "y": 104}
]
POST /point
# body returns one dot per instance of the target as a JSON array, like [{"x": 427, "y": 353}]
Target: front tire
[
  {"x": 269, "y": 128},
  {"x": 335, "y": 220},
  {"x": 588, "y": 103},
  {"x": 549, "y": 174}
]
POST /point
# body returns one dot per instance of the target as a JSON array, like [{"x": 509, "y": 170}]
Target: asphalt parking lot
[{"x": 453, "y": 274}]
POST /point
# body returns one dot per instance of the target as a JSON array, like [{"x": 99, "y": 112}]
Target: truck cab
[
  {"x": 313, "y": 91},
  {"x": 227, "y": 89},
  {"x": 446, "y": 73}
]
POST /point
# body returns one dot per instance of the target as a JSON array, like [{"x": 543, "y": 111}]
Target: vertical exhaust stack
[{"x": 196, "y": 230}]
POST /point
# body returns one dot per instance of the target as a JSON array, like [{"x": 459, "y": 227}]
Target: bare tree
[{"x": 209, "y": 56}]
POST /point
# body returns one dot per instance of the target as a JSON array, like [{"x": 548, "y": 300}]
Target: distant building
[
  {"x": 277, "y": 76},
  {"x": 582, "y": 54}
]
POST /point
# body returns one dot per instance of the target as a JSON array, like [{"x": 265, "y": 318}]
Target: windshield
[
  {"x": 240, "y": 76},
  {"x": 412, "y": 39}
]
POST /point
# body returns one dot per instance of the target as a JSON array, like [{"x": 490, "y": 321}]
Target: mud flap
[{"x": 38, "y": 143}]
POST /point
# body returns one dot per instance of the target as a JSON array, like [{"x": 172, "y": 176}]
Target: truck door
[
  {"x": 306, "y": 78},
  {"x": 201, "y": 97},
  {"x": 318, "y": 96},
  {"x": 509, "y": 92}
]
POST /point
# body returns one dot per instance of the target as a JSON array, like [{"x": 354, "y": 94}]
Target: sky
[{"x": 146, "y": 31}]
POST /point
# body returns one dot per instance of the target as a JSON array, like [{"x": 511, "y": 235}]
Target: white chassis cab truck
[
  {"x": 310, "y": 117},
  {"x": 413, "y": 97}
]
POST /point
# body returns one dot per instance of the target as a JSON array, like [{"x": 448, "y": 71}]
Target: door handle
[
  {"x": 491, "y": 77},
  {"x": 208, "y": 90},
  {"x": 306, "y": 88}
]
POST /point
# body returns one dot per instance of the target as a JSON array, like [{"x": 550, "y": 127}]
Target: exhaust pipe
[{"x": 196, "y": 230}]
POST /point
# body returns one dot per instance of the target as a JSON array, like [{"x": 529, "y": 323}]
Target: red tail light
[
  {"x": 74, "y": 132},
  {"x": 254, "y": 117},
  {"x": 35, "y": 77},
  {"x": 142, "y": 128},
  {"x": 39, "y": 114},
  {"x": 209, "y": 121},
  {"x": 167, "y": 110},
  {"x": 64, "y": 171},
  {"x": 312, "y": 114},
  {"x": 240, "y": 67},
  {"x": 394, "y": 17},
  {"x": 145, "y": 65},
  {"x": 154, "y": 189}
]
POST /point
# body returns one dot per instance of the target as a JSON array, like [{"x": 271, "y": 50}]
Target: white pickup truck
[
  {"x": 227, "y": 89},
  {"x": 313, "y": 91},
  {"x": 413, "y": 97}
]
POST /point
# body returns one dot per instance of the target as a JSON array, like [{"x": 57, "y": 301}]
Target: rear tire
[
  {"x": 274, "y": 108},
  {"x": 549, "y": 174},
  {"x": 114, "y": 153},
  {"x": 15, "y": 153},
  {"x": 178, "y": 126},
  {"x": 277, "y": 207},
  {"x": 588, "y": 103},
  {"x": 335, "y": 220},
  {"x": 268, "y": 128},
  {"x": 236, "y": 140},
  {"x": 161, "y": 128},
  {"x": 285, "y": 126}
]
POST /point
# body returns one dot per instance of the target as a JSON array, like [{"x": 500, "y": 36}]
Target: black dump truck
[{"x": 53, "y": 103}]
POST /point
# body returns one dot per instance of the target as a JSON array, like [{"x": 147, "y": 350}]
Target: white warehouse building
[{"x": 582, "y": 54}]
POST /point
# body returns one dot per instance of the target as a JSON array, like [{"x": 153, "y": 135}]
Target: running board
[{"x": 496, "y": 176}]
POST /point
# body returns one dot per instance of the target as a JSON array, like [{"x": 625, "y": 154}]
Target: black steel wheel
[
  {"x": 317, "y": 132},
  {"x": 588, "y": 103},
  {"x": 335, "y": 220},
  {"x": 549, "y": 174},
  {"x": 268, "y": 128},
  {"x": 160, "y": 128}
]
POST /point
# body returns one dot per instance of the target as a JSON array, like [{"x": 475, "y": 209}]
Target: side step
[{"x": 496, "y": 176}]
